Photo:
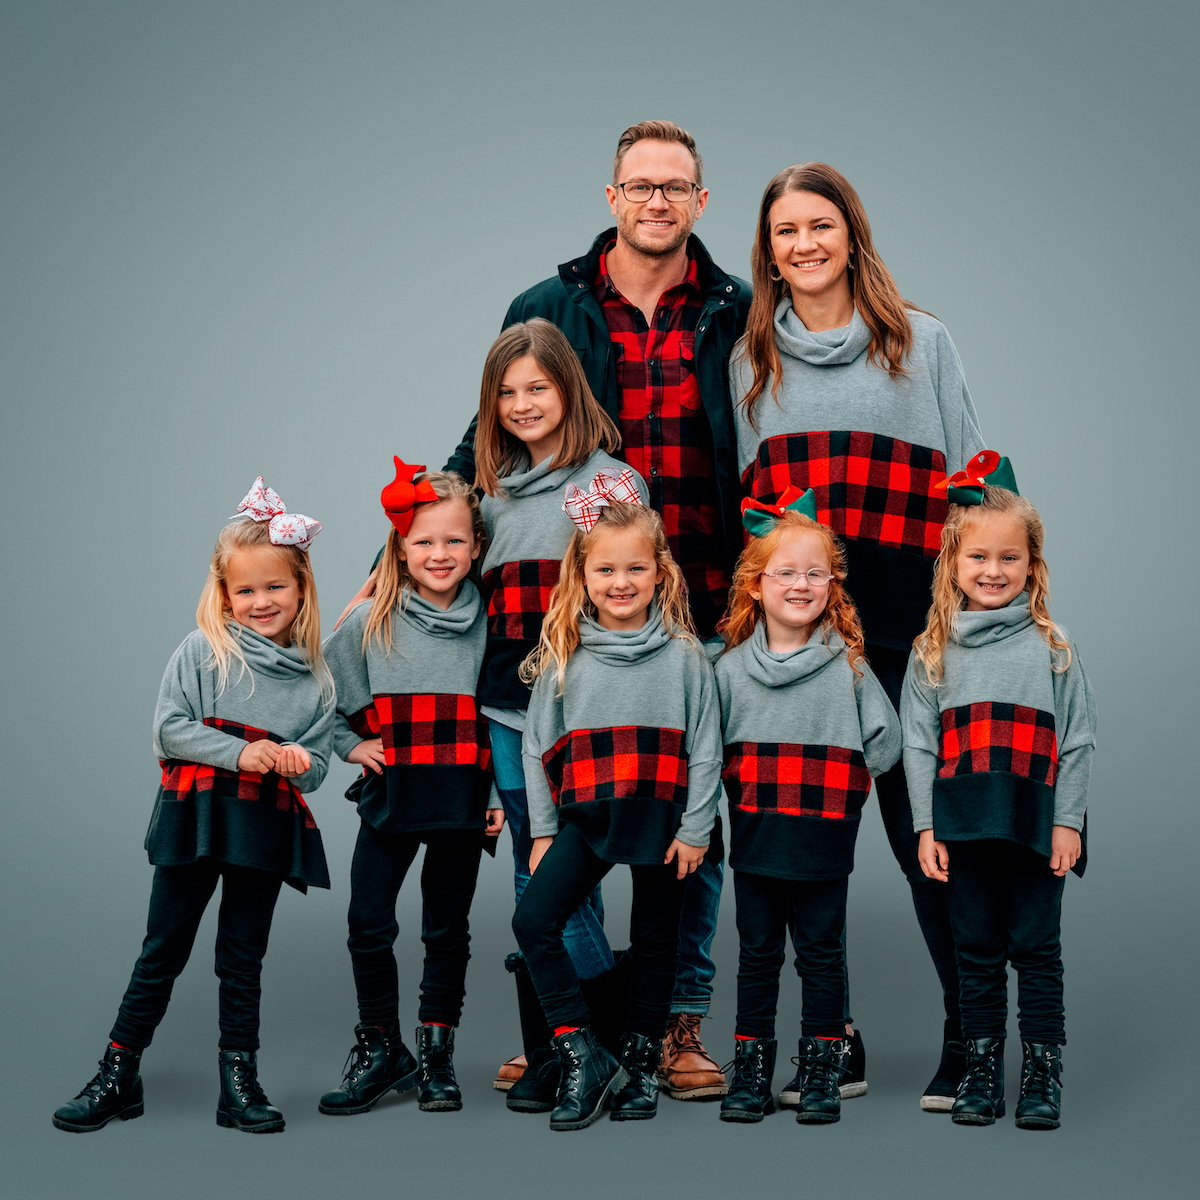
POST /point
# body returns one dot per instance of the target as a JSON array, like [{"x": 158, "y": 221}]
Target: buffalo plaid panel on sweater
[
  {"x": 799, "y": 780},
  {"x": 609, "y": 764},
  {"x": 183, "y": 780},
  {"x": 665, "y": 435},
  {"x": 517, "y": 595},
  {"x": 427, "y": 729},
  {"x": 868, "y": 486},
  {"x": 1010, "y": 738}
]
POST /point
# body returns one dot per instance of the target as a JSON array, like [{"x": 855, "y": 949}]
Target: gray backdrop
[{"x": 245, "y": 237}]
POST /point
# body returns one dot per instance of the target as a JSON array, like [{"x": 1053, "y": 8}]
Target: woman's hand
[
  {"x": 494, "y": 822},
  {"x": 259, "y": 756},
  {"x": 1065, "y": 848},
  {"x": 538, "y": 851},
  {"x": 686, "y": 858},
  {"x": 933, "y": 857},
  {"x": 292, "y": 760},
  {"x": 368, "y": 753},
  {"x": 364, "y": 593}
]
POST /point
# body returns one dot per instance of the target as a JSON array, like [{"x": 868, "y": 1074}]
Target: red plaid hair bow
[
  {"x": 262, "y": 503},
  {"x": 584, "y": 508},
  {"x": 401, "y": 497}
]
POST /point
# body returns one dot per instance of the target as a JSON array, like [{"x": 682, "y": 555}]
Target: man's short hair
[{"x": 658, "y": 131}]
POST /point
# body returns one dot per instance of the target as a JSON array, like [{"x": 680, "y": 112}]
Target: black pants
[
  {"x": 815, "y": 913},
  {"x": 178, "y": 898},
  {"x": 448, "y": 876},
  {"x": 930, "y": 898},
  {"x": 1005, "y": 905},
  {"x": 568, "y": 873}
]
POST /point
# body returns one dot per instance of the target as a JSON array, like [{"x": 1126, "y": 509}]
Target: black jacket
[{"x": 568, "y": 299}]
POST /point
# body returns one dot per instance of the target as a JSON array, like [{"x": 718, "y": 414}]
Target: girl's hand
[
  {"x": 686, "y": 858},
  {"x": 494, "y": 822},
  {"x": 368, "y": 753},
  {"x": 1065, "y": 848},
  {"x": 259, "y": 756},
  {"x": 933, "y": 857},
  {"x": 364, "y": 593},
  {"x": 538, "y": 851},
  {"x": 293, "y": 760}
]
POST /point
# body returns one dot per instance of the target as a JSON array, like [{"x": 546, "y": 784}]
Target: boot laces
[
  {"x": 244, "y": 1082},
  {"x": 1037, "y": 1072},
  {"x": 684, "y": 1034},
  {"x": 105, "y": 1079}
]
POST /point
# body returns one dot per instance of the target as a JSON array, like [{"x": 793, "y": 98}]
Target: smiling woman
[{"x": 844, "y": 387}]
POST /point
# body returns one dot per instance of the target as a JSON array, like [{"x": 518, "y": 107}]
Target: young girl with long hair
[
  {"x": 539, "y": 431},
  {"x": 406, "y": 665},
  {"x": 244, "y": 724},
  {"x": 843, "y": 386},
  {"x": 622, "y": 765},
  {"x": 794, "y": 667},
  {"x": 999, "y": 727}
]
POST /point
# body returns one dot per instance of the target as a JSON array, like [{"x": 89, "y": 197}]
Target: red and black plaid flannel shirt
[{"x": 665, "y": 435}]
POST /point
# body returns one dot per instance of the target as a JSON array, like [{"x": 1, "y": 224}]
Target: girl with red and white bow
[
  {"x": 539, "y": 431},
  {"x": 244, "y": 725},
  {"x": 806, "y": 726},
  {"x": 622, "y": 761},
  {"x": 406, "y": 665}
]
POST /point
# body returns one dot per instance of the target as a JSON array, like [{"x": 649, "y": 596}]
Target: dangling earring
[{"x": 774, "y": 274}]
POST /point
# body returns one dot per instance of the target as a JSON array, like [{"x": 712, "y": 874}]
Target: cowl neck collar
[
  {"x": 623, "y": 647},
  {"x": 266, "y": 657},
  {"x": 973, "y": 629},
  {"x": 829, "y": 347},
  {"x": 779, "y": 670},
  {"x": 442, "y": 622},
  {"x": 535, "y": 480}
]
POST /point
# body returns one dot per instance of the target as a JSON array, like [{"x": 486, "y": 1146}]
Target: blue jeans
[
  {"x": 583, "y": 935},
  {"x": 695, "y": 969}
]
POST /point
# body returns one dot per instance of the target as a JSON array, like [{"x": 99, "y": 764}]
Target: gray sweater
[
  {"x": 803, "y": 737},
  {"x": 528, "y": 534},
  {"x": 871, "y": 447},
  {"x": 1002, "y": 747},
  {"x": 631, "y": 750}
]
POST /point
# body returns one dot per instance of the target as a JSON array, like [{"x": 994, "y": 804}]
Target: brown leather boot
[{"x": 686, "y": 1071}]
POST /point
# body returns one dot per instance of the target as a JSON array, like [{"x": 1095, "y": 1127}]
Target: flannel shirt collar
[{"x": 606, "y": 288}]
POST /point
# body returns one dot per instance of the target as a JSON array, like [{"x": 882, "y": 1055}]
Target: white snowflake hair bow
[
  {"x": 262, "y": 503},
  {"x": 584, "y": 508}
]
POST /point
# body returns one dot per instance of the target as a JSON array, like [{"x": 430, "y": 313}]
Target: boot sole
[
  {"x": 618, "y": 1114},
  {"x": 711, "y": 1092},
  {"x": 528, "y": 1106},
  {"x": 126, "y": 1114},
  {"x": 440, "y": 1106},
  {"x": 741, "y": 1116},
  {"x": 227, "y": 1122},
  {"x": 404, "y": 1084},
  {"x": 976, "y": 1118},
  {"x": 1036, "y": 1123},
  {"x": 937, "y": 1104},
  {"x": 847, "y": 1091},
  {"x": 803, "y": 1118},
  {"x": 617, "y": 1082}
]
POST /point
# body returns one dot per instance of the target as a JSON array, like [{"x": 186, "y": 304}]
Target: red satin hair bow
[{"x": 401, "y": 497}]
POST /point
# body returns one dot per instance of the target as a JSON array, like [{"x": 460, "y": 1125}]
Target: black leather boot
[
  {"x": 243, "y": 1104},
  {"x": 980, "y": 1098},
  {"x": 114, "y": 1091},
  {"x": 1040, "y": 1101},
  {"x": 376, "y": 1065},
  {"x": 852, "y": 1081},
  {"x": 589, "y": 1074},
  {"x": 749, "y": 1097},
  {"x": 637, "y": 1098},
  {"x": 943, "y": 1087},
  {"x": 821, "y": 1064},
  {"x": 439, "y": 1091},
  {"x": 537, "y": 1090}
]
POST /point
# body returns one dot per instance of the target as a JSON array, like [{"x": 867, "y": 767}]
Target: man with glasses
[{"x": 653, "y": 320}]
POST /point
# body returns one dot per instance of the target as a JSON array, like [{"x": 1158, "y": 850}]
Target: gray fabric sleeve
[
  {"x": 344, "y": 657},
  {"x": 921, "y": 723},
  {"x": 543, "y": 814},
  {"x": 705, "y": 754},
  {"x": 318, "y": 741},
  {"x": 960, "y": 424},
  {"x": 179, "y": 729},
  {"x": 878, "y": 722},
  {"x": 1075, "y": 716}
]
